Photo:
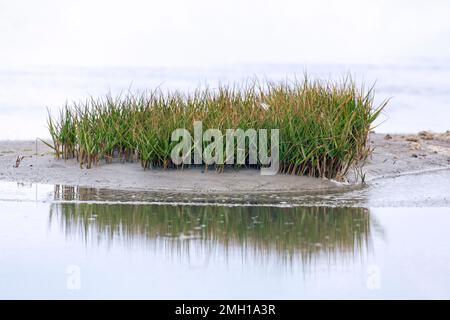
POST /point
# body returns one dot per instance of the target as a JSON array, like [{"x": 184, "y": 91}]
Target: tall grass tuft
[{"x": 324, "y": 126}]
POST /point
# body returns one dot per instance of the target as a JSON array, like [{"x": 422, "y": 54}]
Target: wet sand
[{"x": 394, "y": 155}]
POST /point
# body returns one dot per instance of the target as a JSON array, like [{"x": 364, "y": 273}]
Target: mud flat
[
  {"x": 394, "y": 155},
  {"x": 398, "y": 154}
]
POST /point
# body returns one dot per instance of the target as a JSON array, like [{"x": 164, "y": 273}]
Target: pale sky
[{"x": 207, "y": 32}]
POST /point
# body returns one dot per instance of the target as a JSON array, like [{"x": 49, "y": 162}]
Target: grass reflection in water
[{"x": 256, "y": 232}]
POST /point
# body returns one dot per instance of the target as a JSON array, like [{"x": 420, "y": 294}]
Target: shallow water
[
  {"x": 54, "y": 244},
  {"x": 417, "y": 190},
  {"x": 420, "y": 91}
]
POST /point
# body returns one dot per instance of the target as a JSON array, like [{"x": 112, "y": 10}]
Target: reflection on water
[
  {"x": 256, "y": 233},
  {"x": 136, "y": 249}
]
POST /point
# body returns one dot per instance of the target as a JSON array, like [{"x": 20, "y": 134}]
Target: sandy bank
[{"x": 393, "y": 155}]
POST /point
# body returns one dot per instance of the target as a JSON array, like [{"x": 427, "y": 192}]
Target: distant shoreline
[{"x": 393, "y": 155}]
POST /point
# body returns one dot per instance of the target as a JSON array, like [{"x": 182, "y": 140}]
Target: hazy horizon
[{"x": 201, "y": 33}]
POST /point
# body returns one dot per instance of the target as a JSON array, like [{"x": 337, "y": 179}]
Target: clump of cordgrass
[{"x": 324, "y": 126}]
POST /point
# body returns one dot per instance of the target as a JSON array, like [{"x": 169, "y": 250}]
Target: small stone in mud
[
  {"x": 426, "y": 135},
  {"x": 415, "y": 146},
  {"x": 414, "y": 155},
  {"x": 387, "y": 137},
  {"x": 443, "y": 136},
  {"x": 412, "y": 138}
]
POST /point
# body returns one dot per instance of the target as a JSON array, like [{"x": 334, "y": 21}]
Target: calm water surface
[{"x": 54, "y": 245}]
